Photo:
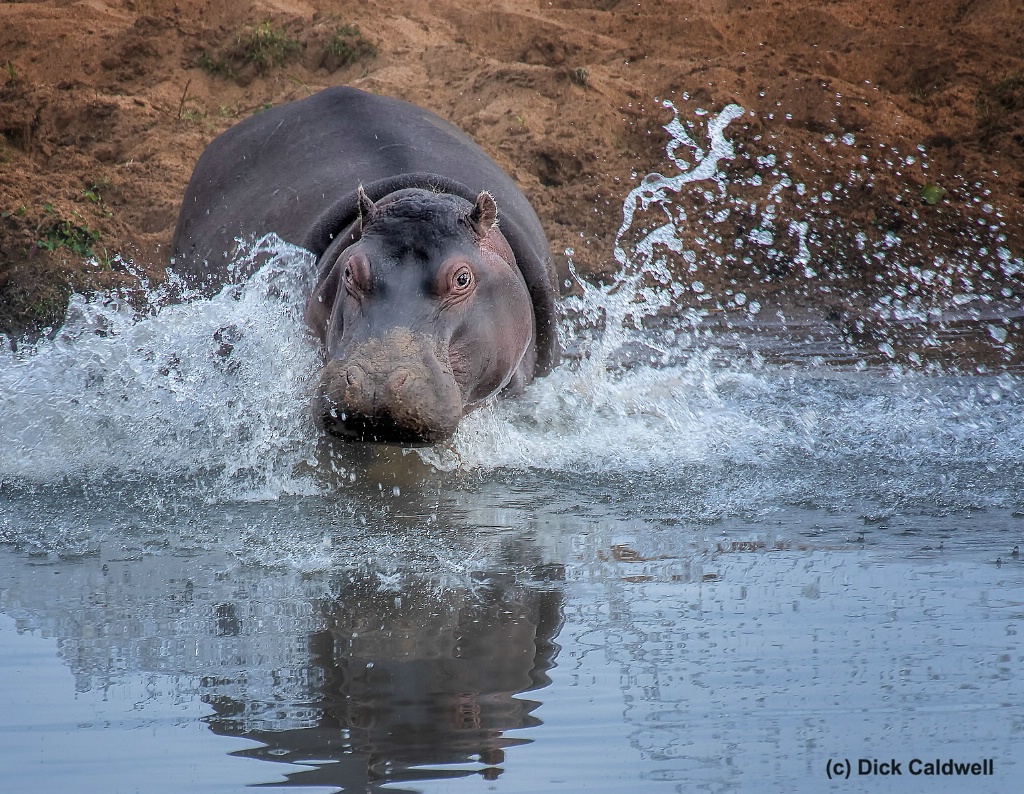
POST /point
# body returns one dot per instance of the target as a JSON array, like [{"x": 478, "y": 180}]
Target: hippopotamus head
[{"x": 425, "y": 316}]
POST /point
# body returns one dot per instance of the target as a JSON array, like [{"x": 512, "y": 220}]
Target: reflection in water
[
  {"x": 407, "y": 678},
  {"x": 390, "y": 664}
]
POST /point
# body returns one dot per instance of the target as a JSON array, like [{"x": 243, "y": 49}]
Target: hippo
[{"x": 435, "y": 288}]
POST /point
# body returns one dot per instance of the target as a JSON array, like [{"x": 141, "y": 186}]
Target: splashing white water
[
  {"x": 211, "y": 395},
  {"x": 208, "y": 388},
  {"x": 671, "y": 403}
]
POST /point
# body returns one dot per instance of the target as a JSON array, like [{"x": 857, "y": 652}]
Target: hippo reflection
[{"x": 402, "y": 680}]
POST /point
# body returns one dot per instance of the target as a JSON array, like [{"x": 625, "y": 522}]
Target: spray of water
[
  {"x": 208, "y": 389},
  {"x": 669, "y": 380},
  {"x": 681, "y": 384}
]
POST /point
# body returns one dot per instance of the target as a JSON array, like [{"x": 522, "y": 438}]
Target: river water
[{"x": 723, "y": 545}]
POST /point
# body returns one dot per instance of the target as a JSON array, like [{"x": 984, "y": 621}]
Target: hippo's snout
[{"x": 398, "y": 389}]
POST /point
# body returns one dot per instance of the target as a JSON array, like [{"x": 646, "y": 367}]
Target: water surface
[{"x": 723, "y": 544}]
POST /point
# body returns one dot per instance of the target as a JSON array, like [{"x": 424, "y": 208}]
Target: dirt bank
[{"x": 105, "y": 107}]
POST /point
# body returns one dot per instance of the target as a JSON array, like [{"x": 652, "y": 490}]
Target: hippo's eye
[
  {"x": 462, "y": 280},
  {"x": 356, "y": 275},
  {"x": 457, "y": 281}
]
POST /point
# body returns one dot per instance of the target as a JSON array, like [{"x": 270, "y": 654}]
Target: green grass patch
[
  {"x": 94, "y": 196},
  {"x": 580, "y": 76},
  {"x": 933, "y": 194},
  {"x": 1009, "y": 92},
  {"x": 73, "y": 235},
  {"x": 265, "y": 47},
  {"x": 257, "y": 50},
  {"x": 347, "y": 46},
  {"x": 214, "y": 64},
  {"x": 17, "y": 213}
]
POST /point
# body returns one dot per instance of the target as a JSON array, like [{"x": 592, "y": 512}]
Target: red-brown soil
[{"x": 106, "y": 105}]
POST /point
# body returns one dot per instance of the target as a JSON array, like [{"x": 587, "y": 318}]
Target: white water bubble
[
  {"x": 215, "y": 385},
  {"x": 997, "y": 332}
]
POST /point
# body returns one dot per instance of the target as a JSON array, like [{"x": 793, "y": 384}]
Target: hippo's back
[{"x": 283, "y": 168}]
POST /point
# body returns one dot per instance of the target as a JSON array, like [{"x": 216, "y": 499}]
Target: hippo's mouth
[{"x": 380, "y": 430}]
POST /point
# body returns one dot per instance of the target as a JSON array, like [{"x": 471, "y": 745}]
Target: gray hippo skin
[{"x": 436, "y": 288}]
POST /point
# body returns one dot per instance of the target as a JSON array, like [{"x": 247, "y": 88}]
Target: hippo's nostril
[
  {"x": 397, "y": 381},
  {"x": 355, "y": 376}
]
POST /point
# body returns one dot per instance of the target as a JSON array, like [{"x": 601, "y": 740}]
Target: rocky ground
[{"x": 106, "y": 105}]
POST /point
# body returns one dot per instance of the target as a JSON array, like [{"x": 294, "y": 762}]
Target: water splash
[
  {"x": 654, "y": 188},
  {"x": 703, "y": 392},
  {"x": 738, "y": 238},
  {"x": 684, "y": 384},
  {"x": 644, "y": 284},
  {"x": 209, "y": 387}
]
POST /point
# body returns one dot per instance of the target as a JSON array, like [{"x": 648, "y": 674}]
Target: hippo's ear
[
  {"x": 484, "y": 215},
  {"x": 366, "y": 209}
]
